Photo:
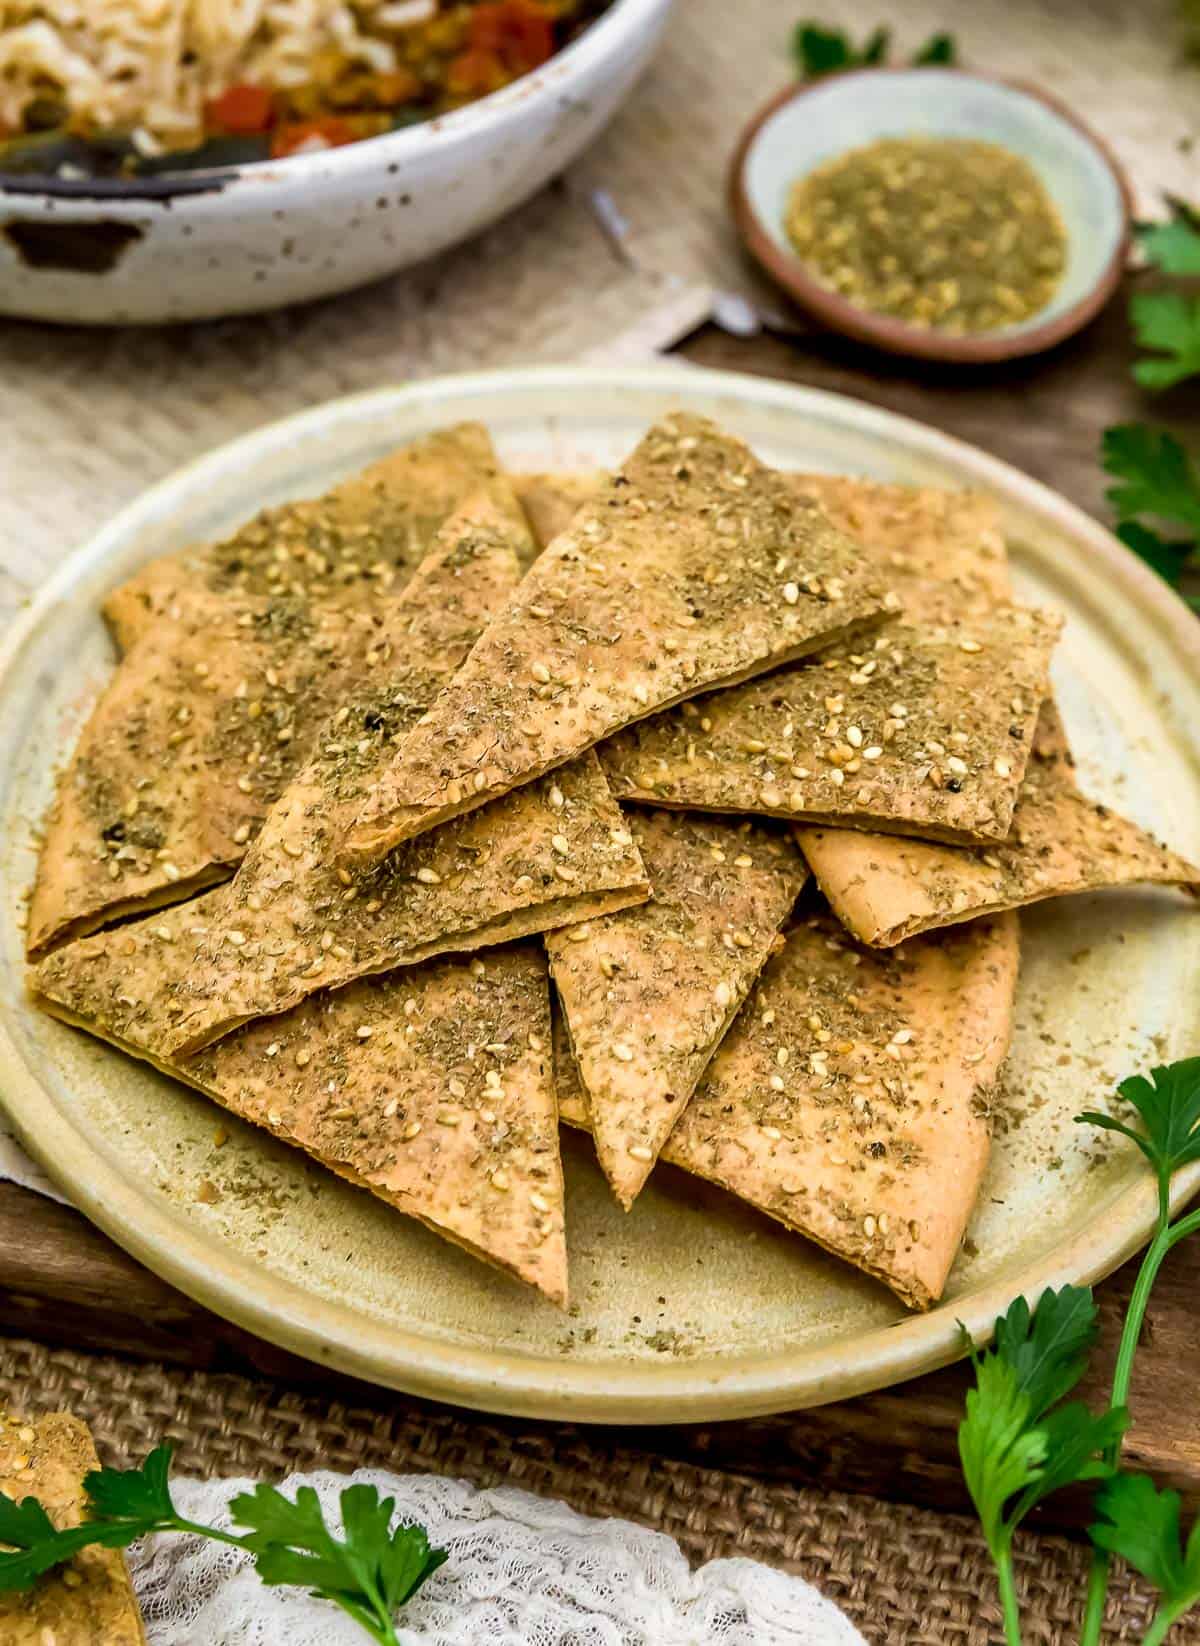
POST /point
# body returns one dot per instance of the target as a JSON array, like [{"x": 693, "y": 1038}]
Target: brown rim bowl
[{"x": 808, "y": 124}]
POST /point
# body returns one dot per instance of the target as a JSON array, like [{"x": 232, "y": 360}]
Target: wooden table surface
[{"x": 63, "y": 1282}]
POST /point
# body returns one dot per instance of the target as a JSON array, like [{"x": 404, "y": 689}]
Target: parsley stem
[
  {"x": 1008, "y": 1594},
  {"x": 1162, "y": 1622},
  {"x": 1165, "y": 1238}
]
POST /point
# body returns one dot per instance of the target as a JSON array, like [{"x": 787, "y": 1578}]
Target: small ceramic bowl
[{"x": 809, "y": 124}]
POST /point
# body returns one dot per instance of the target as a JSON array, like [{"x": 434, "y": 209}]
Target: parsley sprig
[
  {"x": 1157, "y": 477},
  {"x": 1022, "y": 1439},
  {"x": 370, "y": 1571},
  {"x": 819, "y": 50}
]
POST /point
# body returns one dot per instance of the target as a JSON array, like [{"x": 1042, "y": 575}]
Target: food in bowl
[{"x": 130, "y": 87}]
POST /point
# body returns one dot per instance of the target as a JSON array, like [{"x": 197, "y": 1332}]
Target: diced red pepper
[
  {"x": 518, "y": 32},
  {"x": 475, "y": 73},
  {"x": 240, "y": 111},
  {"x": 329, "y": 132}
]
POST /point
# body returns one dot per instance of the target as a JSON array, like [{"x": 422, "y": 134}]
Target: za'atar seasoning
[{"x": 934, "y": 231}]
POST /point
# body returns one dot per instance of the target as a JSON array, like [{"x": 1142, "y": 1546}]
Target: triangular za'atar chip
[
  {"x": 925, "y": 731},
  {"x": 212, "y": 712},
  {"x": 885, "y": 889},
  {"x": 942, "y": 550},
  {"x": 362, "y": 539},
  {"x": 693, "y": 567},
  {"x": 648, "y": 993},
  {"x": 849, "y": 1099},
  {"x": 431, "y": 1087}
]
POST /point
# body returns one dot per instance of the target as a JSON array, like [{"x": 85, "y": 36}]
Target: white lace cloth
[{"x": 523, "y": 1571}]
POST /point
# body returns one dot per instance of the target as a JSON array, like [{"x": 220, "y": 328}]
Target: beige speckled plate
[{"x": 689, "y": 1307}]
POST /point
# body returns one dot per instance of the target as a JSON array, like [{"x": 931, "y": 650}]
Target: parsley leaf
[
  {"x": 1012, "y": 1445},
  {"x": 939, "y": 50},
  {"x": 1172, "y": 247},
  {"x": 1048, "y": 1348},
  {"x": 1159, "y": 478},
  {"x": 1141, "y": 1525},
  {"x": 133, "y": 1494},
  {"x": 819, "y": 50},
  {"x": 1169, "y": 322},
  {"x": 1169, "y": 1106},
  {"x": 369, "y": 1573}
]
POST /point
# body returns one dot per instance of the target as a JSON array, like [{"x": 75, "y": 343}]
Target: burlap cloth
[
  {"x": 88, "y": 419},
  {"x": 905, "y": 1576}
]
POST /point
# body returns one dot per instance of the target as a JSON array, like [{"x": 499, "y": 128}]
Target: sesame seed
[
  {"x": 872, "y": 753},
  {"x": 561, "y": 844},
  {"x": 456, "y": 1088},
  {"x": 448, "y": 1117},
  {"x": 1001, "y": 767},
  {"x": 621, "y": 1052},
  {"x": 781, "y": 1056},
  {"x": 641, "y": 693},
  {"x": 969, "y": 646},
  {"x": 236, "y": 938},
  {"x": 639, "y": 1151},
  {"x": 364, "y": 1031},
  {"x": 539, "y": 1202},
  {"x": 777, "y": 1083},
  {"x": 540, "y": 673},
  {"x": 171, "y": 872},
  {"x": 390, "y": 1107},
  {"x": 499, "y": 1180},
  {"x": 273, "y": 1049},
  {"x": 902, "y": 1037},
  {"x": 837, "y": 777},
  {"x": 791, "y": 593},
  {"x": 241, "y": 834},
  {"x": 413, "y": 1129},
  {"x": 563, "y": 872},
  {"x": 344, "y": 876},
  {"x": 429, "y": 877},
  {"x": 303, "y": 1057},
  {"x": 535, "y": 1042},
  {"x": 869, "y": 1226},
  {"x": 854, "y": 737},
  {"x": 957, "y": 766},
  {"x": 722, "y": 994},
  {"x": 292, "y": 849},
  {"x": 772, "y": 1132},
  {"x": 743, "y": 862},
  {"x": 556, "y": 797}
]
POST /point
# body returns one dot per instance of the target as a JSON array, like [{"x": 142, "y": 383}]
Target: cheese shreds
[
  {"x": 358, "y": 542},
  {"x": 430, "y": 1087},
  {"x": 925, "y": 732},
  {"x": 90, "y": 1600},
  {"x": 884, "y": 890},
  {"x": 867, "y": 1132},
  {"x": 211, "y": 714},
  {"x": 694, "y": 567},
  {"x": 648, "y": 993}
]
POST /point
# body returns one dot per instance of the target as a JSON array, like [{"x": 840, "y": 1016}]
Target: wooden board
[{"x": 64, "y": 1283}]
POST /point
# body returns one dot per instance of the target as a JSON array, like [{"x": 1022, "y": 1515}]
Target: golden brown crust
[
  {"x": 431, "y": 1087},
  {"x": 848, "y": 1100},
  {"x": 216, "y": 707},
  {"x": 886, "y": 890},
  {"x": 551, "y": 501},
  {"x": 367, "y": 535},
  {"x": 695, "y": 566},
  {"x": 175, "y": 982},
  {"x": 647, "y": 994},
  {"x": 925, "y": 731},
  {"x": 90, "y": 1601},
  {"x": 943, "y": 551}
]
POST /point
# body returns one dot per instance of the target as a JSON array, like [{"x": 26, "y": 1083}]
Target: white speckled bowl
[
  {"x": 809, "y": 124},
  {"x": 201, "y": 244}
]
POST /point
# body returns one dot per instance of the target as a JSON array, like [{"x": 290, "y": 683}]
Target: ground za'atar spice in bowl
[{"x": 932, "y": 212}]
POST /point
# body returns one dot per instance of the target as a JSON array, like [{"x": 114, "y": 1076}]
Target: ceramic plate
[{"x": 690, "y": 1307}]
